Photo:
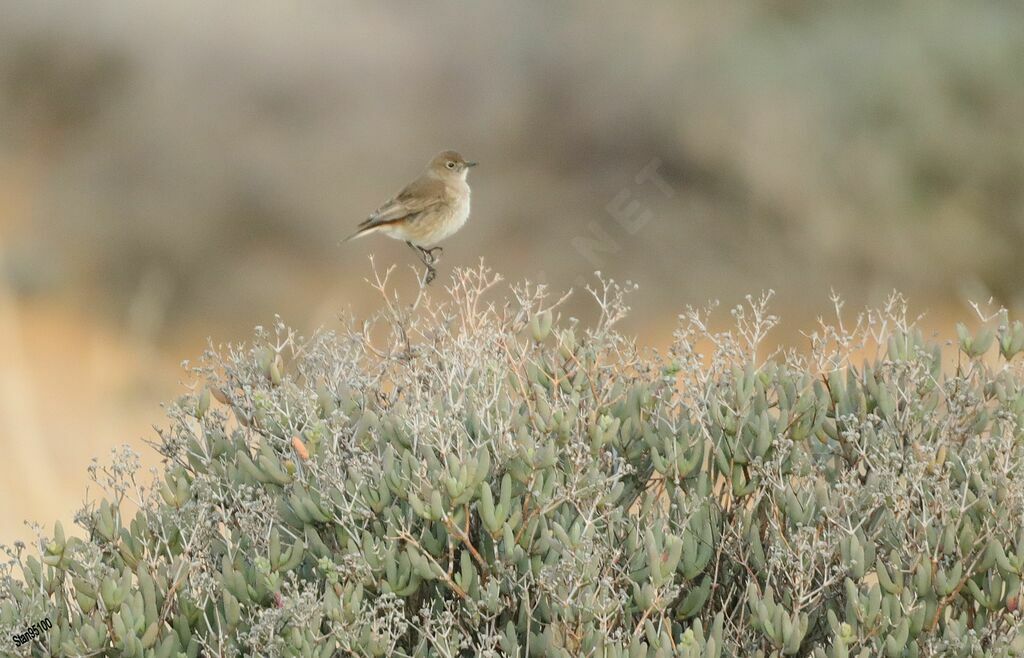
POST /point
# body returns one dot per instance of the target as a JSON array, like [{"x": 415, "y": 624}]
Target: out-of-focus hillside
[{"x": 177, "y": 170}]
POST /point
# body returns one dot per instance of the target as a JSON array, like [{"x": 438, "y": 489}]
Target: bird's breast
[
  {"x": 460, "y": 211},
  {"x": 435, "y": 225}
]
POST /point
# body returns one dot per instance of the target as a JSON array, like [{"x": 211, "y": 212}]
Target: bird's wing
[{"x": 420, "y": 195}]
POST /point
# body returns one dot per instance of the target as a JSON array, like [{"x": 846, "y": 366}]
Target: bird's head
[{"x": 450, "y": 164}]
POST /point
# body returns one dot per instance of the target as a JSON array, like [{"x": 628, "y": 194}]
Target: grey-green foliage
[{"x": 476, "y": 476}]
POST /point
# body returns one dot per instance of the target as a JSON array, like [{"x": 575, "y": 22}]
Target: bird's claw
[
  {"x": 430, "y": 254},
  {"x": 428, "y": 258}
]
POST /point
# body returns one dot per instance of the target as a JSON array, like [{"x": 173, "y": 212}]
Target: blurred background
[{"x": 171, "y": 171}]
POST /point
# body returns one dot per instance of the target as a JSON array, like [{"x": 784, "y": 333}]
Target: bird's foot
[
  {"x": 428, "y": 258},
  {"x": 430, "y": 254}
]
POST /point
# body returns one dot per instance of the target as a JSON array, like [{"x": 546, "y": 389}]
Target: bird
[{"x": 427, "y": 210}]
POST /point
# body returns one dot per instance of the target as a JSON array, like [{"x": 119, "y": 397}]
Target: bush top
[{"x": 472, "y": 474}]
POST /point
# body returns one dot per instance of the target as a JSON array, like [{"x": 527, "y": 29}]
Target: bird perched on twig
[{"x": 427, "y": 210}]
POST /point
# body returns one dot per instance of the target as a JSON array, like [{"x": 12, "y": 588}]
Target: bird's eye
[{"x": 451, "y": 165}]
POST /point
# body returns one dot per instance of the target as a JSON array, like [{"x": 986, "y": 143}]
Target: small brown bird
[{"x": 427, "y": 210}]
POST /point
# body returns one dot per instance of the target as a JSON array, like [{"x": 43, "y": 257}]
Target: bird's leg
[
  {"x": 427, "y": 258},
  {"x": 430, "y": 253},
  {"x": 426, "y": 255}
]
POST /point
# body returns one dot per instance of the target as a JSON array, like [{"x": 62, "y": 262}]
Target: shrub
[{"x": 476, "y": 476}]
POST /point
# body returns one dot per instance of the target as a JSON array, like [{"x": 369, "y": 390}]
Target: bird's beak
[{"x": 470, "y": 164}]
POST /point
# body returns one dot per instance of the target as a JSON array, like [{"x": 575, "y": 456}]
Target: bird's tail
[{"x": 360, "y": 233}]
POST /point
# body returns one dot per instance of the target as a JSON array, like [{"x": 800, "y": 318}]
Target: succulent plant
[{"x": 478, "y": 476}]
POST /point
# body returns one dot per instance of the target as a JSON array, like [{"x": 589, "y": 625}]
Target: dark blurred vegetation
[{"x": 174, "y": 170}]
